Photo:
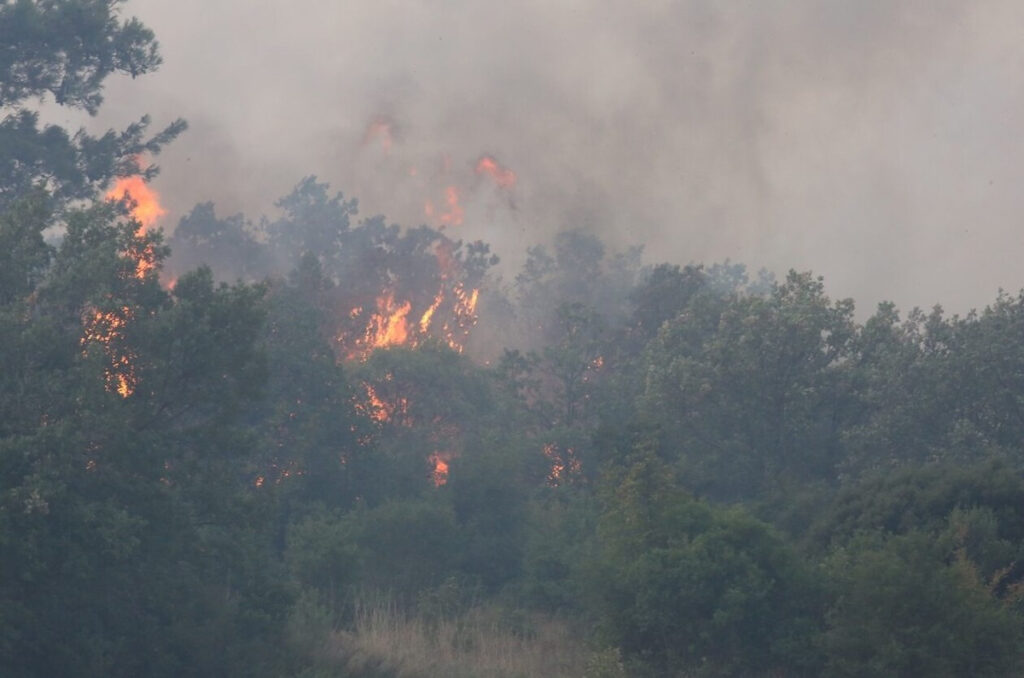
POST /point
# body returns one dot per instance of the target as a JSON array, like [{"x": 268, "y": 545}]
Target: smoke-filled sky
[{"x": 878, "y": 143}]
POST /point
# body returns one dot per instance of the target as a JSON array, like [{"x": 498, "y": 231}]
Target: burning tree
[{"x": 385, "y": 287}]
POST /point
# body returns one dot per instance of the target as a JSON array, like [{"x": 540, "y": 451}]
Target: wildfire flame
[
  {"x": 453, "y": 213},
  {"x": 440, "y": 473},
  {"x": 279, "y": 473},
  {"x": 564, "y": 464},
  {"x": 389, "y": 326},
  {"x": 146, "y": 210},
  {"x": 502, "y": 176},
  {"x": 450, "y": 315},
  {"x": 146, "y": 207},
  {"x": 428, "y": 315},
  {"x": 106, "y": 328},
  {"x": 381, "y": 412}
]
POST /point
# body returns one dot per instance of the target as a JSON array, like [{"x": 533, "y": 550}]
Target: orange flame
[
  {"x": 450, "y": 316},
  {"x": 107, "y": 329},
  {"x": 453, "y": 213},
  {"x": 375, "y": 407},
  {"x": 278, "y": 473},
  {"x": 440, "y": 473},
  {"x": 502, "y": 176},
  {"x": 389, "y": 326},
  {"x": 429, "y": 313},
  {"x": 464, "y": 317},
  {"x": 563, "y": 465},
  {"x": 381, "y": 412},
  {"x": 147, "y": 209},
  {"x": 466, "y": 301}
]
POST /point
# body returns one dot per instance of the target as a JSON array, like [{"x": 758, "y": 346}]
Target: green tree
[
  {"x": 905, "y": 387},
  {"x": 686, "y": 589},
  {"x": 66, "y": 49},
  {"x": 665, "y": 293},
  {"x": 226, "y": 245},
  {"x": 975, "y": 510},
  {"x": 314, "y": 445},
  {"x": 901, "y": 609},
  {"x": 24, "y": 255},
  {"x": 427, "y": 404},
  {"x": 759, "y": 399},
  {"x": 124, "y": 521}
]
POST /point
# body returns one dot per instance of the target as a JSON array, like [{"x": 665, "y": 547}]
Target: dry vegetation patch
[{"x": 478, "y": 643}]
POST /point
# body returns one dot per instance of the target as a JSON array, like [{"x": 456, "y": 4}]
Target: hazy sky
[{"x": 878, "y": 143}]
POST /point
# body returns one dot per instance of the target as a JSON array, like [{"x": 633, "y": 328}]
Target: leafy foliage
[
  {"x": 698, "y": 473},
  {"x": 66, "y": 49}
]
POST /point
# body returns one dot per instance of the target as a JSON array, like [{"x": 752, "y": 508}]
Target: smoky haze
[{"x": 876, "y": 142}]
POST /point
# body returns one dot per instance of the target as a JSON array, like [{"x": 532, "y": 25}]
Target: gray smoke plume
[{"x": 875, "y": 142}]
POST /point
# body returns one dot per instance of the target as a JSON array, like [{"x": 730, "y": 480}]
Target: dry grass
[{"x": 478, "y": 643}]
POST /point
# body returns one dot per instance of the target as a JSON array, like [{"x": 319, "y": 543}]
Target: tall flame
[
  {"x": 389, "y": 326},
  {"x": 146, "y": 209},
  {"x": 428, "y": 315},
  {"x": 450, "y": 316}
]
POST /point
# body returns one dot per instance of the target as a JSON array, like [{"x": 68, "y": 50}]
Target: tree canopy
[{"x": 271, "y": 446}]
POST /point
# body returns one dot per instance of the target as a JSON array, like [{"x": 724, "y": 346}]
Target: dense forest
[{"x": 318, "y": 445}]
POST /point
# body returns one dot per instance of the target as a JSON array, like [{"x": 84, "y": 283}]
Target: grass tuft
[{"x": 480, "y": 642}]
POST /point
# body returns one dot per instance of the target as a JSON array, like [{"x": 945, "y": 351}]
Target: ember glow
[
  {"x": 106, "y": 328},
  {"x": 440, "y": 473},
  {"x": 382, "y": 412},
  {"x": 278, "y": 473},
  {"x": 564, "y": 464},
  {"x": 502, "y": 176}
]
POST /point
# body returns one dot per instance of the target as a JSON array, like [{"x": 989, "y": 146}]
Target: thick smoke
[{"x": 874, "y": 142}]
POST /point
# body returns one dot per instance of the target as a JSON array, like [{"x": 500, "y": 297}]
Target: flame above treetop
[
  {"x": 146, "y": 207},
  {"x": 502, "y": 176},
  {"x": 146, "y": 210},
  {"x": 106, "y": 328}
]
